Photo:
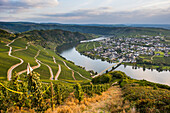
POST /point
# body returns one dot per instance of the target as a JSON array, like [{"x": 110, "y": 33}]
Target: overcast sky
[{"x": 87, "y": 11}]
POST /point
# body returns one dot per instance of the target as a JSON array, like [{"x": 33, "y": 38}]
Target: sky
[{"x": 87, "y": 11}]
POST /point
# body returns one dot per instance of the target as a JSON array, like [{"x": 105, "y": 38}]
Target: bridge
[{"x": 120, "y": 61}]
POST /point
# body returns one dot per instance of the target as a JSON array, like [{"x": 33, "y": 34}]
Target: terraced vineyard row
[{"x": 44, "y": 61}]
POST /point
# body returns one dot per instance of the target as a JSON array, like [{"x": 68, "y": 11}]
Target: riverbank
[
  {"x": 89, "y": 49},
  {"x": 98, "y": 66}
]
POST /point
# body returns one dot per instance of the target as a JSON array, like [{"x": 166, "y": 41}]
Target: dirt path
[
  {"x": 73, "y": 75},
  {"x": 75, "y": 71},
  {"x": 59, "y": 69},
  {"x": 66, "y": 65},
  {"x": 111, "y": 101},
  {"x": 82, "y": 76},
  {"x": 50, "y": 69},
  {"x": 34, "y": 67},
  {"x": 54, "y": 59},
  {"x": 69, "y": 69},
  {"x": 58, "y": 73},
  {"x": 152, "y": 57},
  {"x": 9, "y": 73},
  {"x": 21, "y": 49}
]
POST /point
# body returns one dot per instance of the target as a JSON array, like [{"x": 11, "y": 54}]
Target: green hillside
[
  {"x": 53, "y": 38},
  {"x": 94, "y": 29},
  {"x": 25, "y": 48}
]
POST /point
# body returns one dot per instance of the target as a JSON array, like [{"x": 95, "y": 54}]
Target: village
[{"x": 130, "y": 48}]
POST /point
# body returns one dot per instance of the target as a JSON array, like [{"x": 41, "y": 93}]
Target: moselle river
[{"x": 69, "y": 52}]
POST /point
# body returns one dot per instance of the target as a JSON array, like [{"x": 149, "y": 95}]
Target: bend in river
[{"x": 97, "y": 65}]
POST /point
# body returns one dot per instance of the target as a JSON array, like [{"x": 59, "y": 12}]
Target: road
[
  {"x": 58, "y": 73},
  {"x": 75, "y": 71},
  {"x": 51, "y": 71},
  {"x": 34, "y": 67},
  {"x": 59, "y": 69},
  {"x": 69, "y": 69},
  {"x": 73, "y": 75},
  {"x": 9, "y": 73},
  {"x": 120, "y": 61},
  {"x": 152, "y": 57}
]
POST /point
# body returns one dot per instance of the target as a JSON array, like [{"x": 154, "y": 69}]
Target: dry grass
[
  {"x": 17, "y": 110},
  {"x": 110, "y": 101}
]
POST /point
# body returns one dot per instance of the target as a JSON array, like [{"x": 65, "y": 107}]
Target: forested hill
[
  {"x": 102, "y": 30},
  {"x": 4, "y": 35},
  {"x": 52, "y": 38}
]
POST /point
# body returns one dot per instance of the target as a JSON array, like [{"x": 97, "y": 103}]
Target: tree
[{"x": 35, "y": 89}]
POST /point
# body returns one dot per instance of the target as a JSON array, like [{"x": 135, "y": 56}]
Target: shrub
[
  {"x": 106, "y": 78},
  {"x": 118, "y": 74}
]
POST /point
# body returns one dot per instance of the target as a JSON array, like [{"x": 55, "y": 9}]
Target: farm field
[{"x": 87, "y": 46}]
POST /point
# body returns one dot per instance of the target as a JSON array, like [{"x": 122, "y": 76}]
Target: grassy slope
[
  {"x": 28, "y": 57},
  {"x": 19, "y": 43},
  {"x": 157, "y": 60},
  {"x": 5, "y": 61},
  {"x": 45, "y": 56},
  {"x": 3, "y": 47},
  {"x": 87, "y": 46},
  {"x": 81, "y": 71}
]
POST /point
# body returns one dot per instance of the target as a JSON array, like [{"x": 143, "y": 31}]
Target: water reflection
[{"x": 69, "y": 52}]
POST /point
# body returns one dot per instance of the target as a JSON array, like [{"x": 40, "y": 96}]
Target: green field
[
  {"x": 19, "y": 43},
  {"x": 3, "y": 48},
  {"x": 161, "y": 53},
  {"x": 87, "y": 46},
  {"x": 5, "y": 61}
]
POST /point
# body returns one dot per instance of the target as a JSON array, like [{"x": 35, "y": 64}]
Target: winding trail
[
  {"x": 70, "y": 69},
  {"x": 152, "y": 57},
  {"x": 73, "y": 75},
  {"x": 59, "y": 69},
  {"x": 82, "y": 76},
  {"x": 51, "y": 71},
  {"x": 58, "y": 73},
  {"x": 75, "y": 71},
  {"x": 21, "y": 49},
  {"x": 34, "y": 67},
  {"x": 9, "y": 73}
]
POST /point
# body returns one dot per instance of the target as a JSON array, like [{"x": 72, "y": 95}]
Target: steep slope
[{"x": 40, "y": 58}]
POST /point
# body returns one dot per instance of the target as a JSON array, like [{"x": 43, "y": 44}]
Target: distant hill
[
  {"x": 52, "y": 38},
  {"x": 101, "y": 29},
  {"x": 6, "y": 36}
]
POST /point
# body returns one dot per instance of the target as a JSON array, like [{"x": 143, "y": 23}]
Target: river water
[{"x": 70, "y": 53}]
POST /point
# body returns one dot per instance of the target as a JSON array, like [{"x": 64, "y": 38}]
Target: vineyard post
[{"x": 52, "y": 96}]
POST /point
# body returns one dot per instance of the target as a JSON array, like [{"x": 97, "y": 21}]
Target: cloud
[
  {"x": 22, "y": 5},
  {"x": 107, "y": 15}
]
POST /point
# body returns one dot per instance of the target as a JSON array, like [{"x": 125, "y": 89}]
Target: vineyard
[{"x": 33, "y": 94}]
